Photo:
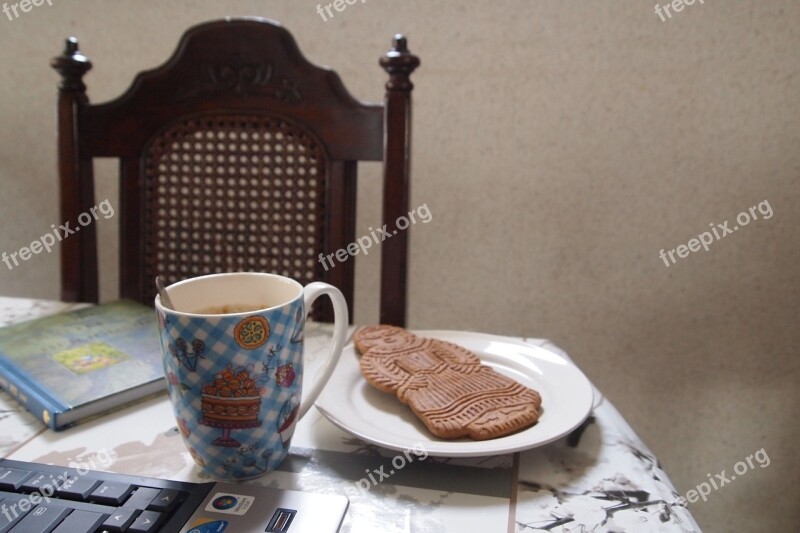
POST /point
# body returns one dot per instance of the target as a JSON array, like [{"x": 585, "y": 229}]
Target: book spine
[{"x": 38, "y": 402}]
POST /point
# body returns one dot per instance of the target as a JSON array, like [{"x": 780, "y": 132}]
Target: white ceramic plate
[{"x": 377, "y": 417}]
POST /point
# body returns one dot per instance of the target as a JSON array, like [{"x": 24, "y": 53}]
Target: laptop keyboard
[{"x": 38, "y": 498}]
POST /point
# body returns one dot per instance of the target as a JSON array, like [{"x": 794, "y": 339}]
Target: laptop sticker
[
  {"x": 224, "y": 502},
  {"x": 208, "y": 525}
]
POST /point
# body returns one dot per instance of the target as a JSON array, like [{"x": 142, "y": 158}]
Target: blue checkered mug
[{"x": 232, "y": 349}]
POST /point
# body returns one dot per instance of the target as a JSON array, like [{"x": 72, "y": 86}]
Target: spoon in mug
[{"x": 162, "y": 291}]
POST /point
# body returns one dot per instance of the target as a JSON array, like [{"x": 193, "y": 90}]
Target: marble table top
[{"x": 601, "y": 477}]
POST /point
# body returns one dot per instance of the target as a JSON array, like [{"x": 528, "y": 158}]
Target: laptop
[{"x": 46, "y": 498}]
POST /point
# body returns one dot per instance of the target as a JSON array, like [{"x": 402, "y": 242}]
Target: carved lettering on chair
[{"x": 242, "y": 78}]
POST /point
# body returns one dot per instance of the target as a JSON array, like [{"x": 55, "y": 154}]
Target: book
[{"x": 71, "y": 366}]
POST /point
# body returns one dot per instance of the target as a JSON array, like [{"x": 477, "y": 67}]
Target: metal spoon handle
[{"x": 162, "y": 291}]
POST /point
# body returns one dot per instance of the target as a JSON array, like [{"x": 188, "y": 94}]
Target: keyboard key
[
  {"x": 111, "y": 492},
  {"x": 80, "y": 522},
  {"x": 165, "y": 500},
  {"x": 147, "y": 522},
  {"x": 141, "y": 497},
  {"x": 10, "y": 511},
  {"x": 83, "y": 506},
  {"x": 12, "y": 478},
  {"x": 40, "y": 520},
  {"x": 120, "y": 519},
  {"x": 77, "y": 488},
  {"x": 7, "y": 522},
  {"x": 39, "y": 480}
]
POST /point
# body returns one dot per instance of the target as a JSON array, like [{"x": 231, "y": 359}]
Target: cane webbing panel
[{"x": 229, "y": 193}]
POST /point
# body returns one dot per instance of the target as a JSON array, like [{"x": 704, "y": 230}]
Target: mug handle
[{"x": 311, "y": 292}]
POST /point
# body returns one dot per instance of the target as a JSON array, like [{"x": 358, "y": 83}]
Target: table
[{"x": 602, "y": 477}]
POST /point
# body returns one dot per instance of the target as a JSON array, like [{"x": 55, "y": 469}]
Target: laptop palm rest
[{"x": 242, "y": 508}]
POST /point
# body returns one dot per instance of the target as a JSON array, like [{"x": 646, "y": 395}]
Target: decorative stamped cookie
[
  {"x": 383, "y": 337},
  {"x": 445, "y": 385}
]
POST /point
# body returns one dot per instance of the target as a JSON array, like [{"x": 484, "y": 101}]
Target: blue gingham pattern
[{"x": 261, "y": 448}]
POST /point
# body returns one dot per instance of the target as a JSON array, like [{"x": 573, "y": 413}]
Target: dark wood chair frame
[{"x": 349, "y": 130}]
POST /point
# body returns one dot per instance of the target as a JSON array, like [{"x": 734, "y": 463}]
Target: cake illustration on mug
[
  {"x": 284, "y": 375},
  {"x": 231, "y": 401}
]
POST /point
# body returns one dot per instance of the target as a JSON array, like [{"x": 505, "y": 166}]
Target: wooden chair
[{"x": 235, "y": 154}]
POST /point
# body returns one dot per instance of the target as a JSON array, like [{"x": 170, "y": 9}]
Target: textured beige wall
[{"x": 559, "y": 147}]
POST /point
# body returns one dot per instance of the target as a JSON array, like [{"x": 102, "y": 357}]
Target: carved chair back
[{"x": 237, "y": 154}]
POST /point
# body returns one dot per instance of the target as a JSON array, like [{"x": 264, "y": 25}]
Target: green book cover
[{"x": 69, "y": 366}]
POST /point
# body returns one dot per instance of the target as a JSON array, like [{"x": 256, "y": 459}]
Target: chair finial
[
  {"x": 399, "y": 43},
  {"x": 70, "y": 46},
  {"x": 72, "y": 65},
  {"x": 399, "y": 63}
]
